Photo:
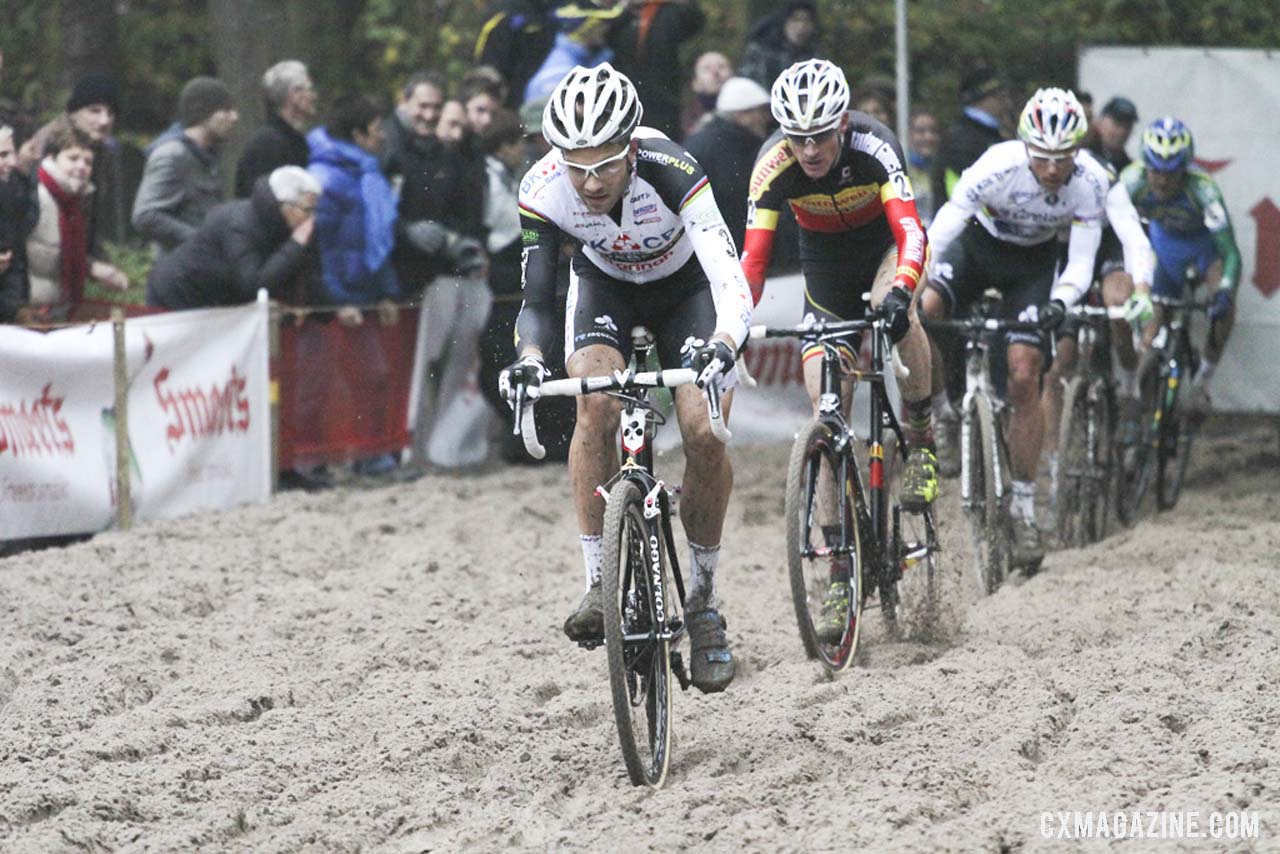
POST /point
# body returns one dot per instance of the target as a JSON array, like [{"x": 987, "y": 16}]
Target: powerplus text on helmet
[
  {"x": 1167, "y": 145},
  {"x": 590, "y": 107},
  {"x": 810, "y": 97},
  {"x": 1052, "y": 120}
]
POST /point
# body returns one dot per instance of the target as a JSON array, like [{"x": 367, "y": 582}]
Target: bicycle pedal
[
  {"x": 591, "y": 643},
  {"x": 677, "y": 667}
]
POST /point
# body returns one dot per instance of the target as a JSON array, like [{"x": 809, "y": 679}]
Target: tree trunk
[{"x": 89, "y": 41}]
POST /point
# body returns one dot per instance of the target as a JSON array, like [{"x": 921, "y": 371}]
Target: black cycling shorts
[
  {"x": 1023, "y": 275},
  {"x": 838, "y": 269},
  {"x": 679, "y": 310}
]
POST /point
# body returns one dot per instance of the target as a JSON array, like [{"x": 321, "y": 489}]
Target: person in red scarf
[{"x": 58, "y": 247}]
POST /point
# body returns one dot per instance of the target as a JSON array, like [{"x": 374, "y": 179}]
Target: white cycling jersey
[
  {"x": 667, "y": 216},
  {"x": 1002, "y": 193}
]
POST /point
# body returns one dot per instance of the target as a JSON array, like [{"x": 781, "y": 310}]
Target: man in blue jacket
[{"x": 355, "y": 233}]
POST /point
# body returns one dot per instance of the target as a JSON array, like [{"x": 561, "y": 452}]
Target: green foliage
[
  {"x": 135, "y": 262},
  {"x": 165, "y": 42}
]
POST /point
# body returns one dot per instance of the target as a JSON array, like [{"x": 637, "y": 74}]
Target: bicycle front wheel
[
  {"x": 1085, "y": 469},
  {"x": 1173, "y": 456},
  {"x": 1138, "y": 466},
  {"x": 824, "y": 558},
  {"x": 638, "y": 614}
]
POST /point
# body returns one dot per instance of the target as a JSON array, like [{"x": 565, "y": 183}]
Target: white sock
[
  {"x": 1024, "y": 500},
  {"x": 702, "y": 574},
  {"x": 942, "y": 405},
  {"x": 1205, "y": 372},
  {"x": 592, "y": 556},
  {"x": 1127, "y": 380}
]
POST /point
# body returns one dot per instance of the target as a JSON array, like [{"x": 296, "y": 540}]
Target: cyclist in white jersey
[
  {"x": 999, "y": 230},
  {"x": 654, "y": 251},
  {"x": 1123, "y": 269}
]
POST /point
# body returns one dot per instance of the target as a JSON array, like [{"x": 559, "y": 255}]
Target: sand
[{"x": 382, "y": 670}]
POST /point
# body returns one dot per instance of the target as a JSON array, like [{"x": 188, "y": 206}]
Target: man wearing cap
[
  {"x": 183, "y": 178},
  {"x": 1113, "y": 127},
  {"x": 985, "y": 103},
  {"x": 728, "y": 145}
]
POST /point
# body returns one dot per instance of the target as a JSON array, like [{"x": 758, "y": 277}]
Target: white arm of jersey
[
  {"x": 713, "y": 244},
  {"x": 948, "y": 224},
  {"x": 1139, "y": 259},
  {"x": 966, "y": 200},
  {"x": 1078, "y": 274}
]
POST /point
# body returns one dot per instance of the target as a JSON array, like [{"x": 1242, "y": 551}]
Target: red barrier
[{"x": 344, "y": 391}]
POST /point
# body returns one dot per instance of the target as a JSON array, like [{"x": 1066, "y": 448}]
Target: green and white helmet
[{"x": 1052, "y": 120}]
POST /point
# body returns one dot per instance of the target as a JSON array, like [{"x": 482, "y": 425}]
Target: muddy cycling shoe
[
  {"x": 711, "y": 662},
  {"x": 1028, "y": 551},
  {"x": 946, "y": 435},
  {"x": 586, "y": 623},
  {"x": 834, "y": 618},
  {"x": 919, "y": 480}
]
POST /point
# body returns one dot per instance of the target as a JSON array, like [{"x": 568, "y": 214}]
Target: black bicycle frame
[{"x": 872, "y": 509}]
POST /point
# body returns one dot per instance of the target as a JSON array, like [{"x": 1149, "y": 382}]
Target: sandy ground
[{"x": 383, "y": 670}]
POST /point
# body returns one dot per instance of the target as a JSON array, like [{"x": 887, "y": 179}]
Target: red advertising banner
[{"x": 344, "y": 391}]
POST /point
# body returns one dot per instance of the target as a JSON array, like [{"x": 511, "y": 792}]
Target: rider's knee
[
  {"x": 1024, "y": 378},
  {"x": 599, "y": 413},
  {"x": 1117, "y": 286},
  {"x": 931, "y": 302},
  {"x": 699, "y": 441}
]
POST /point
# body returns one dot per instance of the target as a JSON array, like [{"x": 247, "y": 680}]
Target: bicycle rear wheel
[
  {"x": 638, "y": 614},
  {"x": 823, "y": 549},
  {"x": 910, "y": 596},
  {"x": 980, "y": 478},
  {"x": 1085, "y": 462}
]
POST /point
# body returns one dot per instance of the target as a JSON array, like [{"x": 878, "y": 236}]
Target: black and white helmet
[
  {"x": 590, "y": 107},
  {"x": 810, "y": 97}
]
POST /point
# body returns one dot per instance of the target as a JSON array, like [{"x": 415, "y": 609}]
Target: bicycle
[
  {"x": 643, "y": 624},
  {"x": 1164, "y": 444},
  {"x": 841, "y": 531},
  {"x": 986, "y": 485},
  {"x": 1089, "y": 451}
]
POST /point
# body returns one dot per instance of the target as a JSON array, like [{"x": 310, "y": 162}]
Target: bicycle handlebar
[
  {"x": 974, "y": 325},
  {"x": 1111, "y": 312},
  {"x": 830, "y": 329},
  {"x": 1189, "y": 305},
  {"x": 618, "y": 381}
]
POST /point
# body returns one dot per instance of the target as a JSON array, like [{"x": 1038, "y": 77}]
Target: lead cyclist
[{"x": 654, "y": 251}]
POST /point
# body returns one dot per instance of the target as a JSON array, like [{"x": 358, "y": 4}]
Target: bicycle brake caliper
[{"x": 651, "y": 505}]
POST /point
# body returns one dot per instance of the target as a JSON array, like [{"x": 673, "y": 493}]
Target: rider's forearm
[
  {"x": 1076, "y": 276},
  {"x": 909, "y": 235},
  {"x": 757, "y": 249},
  {"x": 1225, "y": 242},
  {"x": 1139, "y": 259},
  {"x": 948, "y": 224},
  {"x": 714, "y": 248}
]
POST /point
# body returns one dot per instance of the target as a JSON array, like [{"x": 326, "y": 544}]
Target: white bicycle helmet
[
  {"x": 590, "y": 107},
  {"x": 810, "y": 97},
  {"x": 1052, "y": 120}
]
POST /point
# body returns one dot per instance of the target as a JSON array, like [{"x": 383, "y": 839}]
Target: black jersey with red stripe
[{"x": 868, "y": 181}]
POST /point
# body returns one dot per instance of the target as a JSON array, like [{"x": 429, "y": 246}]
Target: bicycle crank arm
[{"x": 677, "y": 667}]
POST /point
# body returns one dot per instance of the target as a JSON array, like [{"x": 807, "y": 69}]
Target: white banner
[
  {"x": 57, "y": 431},
  {"x": 199, "y": 419},
  {"x": 199, "y": 409},
  {"x": 1230, "y": 98}
]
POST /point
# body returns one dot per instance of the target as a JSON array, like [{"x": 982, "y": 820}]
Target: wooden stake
[{"x": 124, "y": 506}]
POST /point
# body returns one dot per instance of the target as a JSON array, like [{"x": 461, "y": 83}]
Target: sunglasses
[
  {"x": 610, "y": 167},
  {"x": 1047, "y": 157},
  {"x": 800, "y": 140}
]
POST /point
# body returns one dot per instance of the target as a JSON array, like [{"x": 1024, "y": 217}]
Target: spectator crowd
[{"x": 338, "y": 203}]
